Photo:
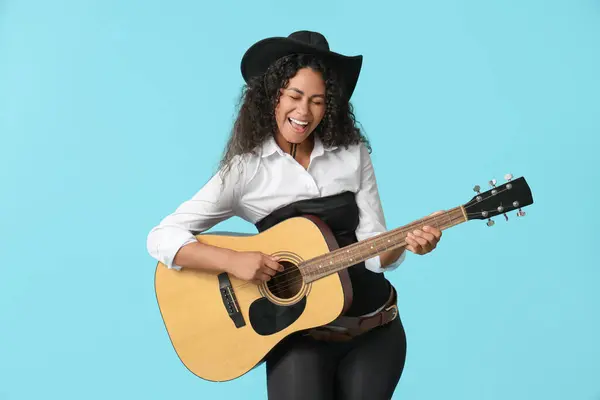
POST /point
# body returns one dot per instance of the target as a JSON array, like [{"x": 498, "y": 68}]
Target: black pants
[{"x": 368, "y": 367}]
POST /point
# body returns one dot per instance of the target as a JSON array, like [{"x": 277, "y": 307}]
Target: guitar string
[
  {"x": 402, "y": 231},
  {"x": 284, "y": 284},
  {"x": 391, "y": 234},
  {"x": 388, "y": 234},
  {"x": 288, "y": 283},
  {"x": 395, "y": 232},
  {"x": 315, "y": 259}
]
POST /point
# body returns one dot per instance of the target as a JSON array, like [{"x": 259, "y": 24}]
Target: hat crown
[
  {"x": 314, "y": 39},
  {"x": 262, "y": 54}
]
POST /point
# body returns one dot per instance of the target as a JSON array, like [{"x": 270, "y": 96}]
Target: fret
[
  {"x": 351, "y": 255},
  {"x": 381, "y": 244},
  {"x": 355, "y": 253},
  {"x": 450, "y": 219}
]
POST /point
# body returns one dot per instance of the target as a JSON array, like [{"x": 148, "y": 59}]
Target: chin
[{"x": 295, "y": 138}]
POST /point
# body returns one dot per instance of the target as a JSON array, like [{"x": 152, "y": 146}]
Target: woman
[{"x": 295, "y": 149}]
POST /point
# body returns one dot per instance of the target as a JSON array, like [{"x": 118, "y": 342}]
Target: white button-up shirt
[{"x": 258, "y": 184}]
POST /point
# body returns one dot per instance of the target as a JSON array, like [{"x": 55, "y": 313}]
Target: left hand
[{"x": 423, "y": 241}]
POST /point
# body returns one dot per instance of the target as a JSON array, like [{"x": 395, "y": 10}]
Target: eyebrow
[{"x": 302, "y": 93}]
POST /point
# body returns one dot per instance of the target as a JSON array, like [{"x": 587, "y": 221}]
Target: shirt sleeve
[
  {"x": 214, "y": 202},
  {"x": 371, "y": 217}
]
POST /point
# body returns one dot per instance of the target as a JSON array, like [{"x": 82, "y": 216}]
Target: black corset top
[{"x": 340, "y": 213}]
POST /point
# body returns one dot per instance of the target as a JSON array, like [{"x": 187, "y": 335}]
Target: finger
[
  {"x": 411, "y": 249},
  {"x": 273, "y": 265},
  {"x": 421, "y": 241},
  {"x": 262, "y": 276},
  {"x": 434, "y": 231},
  {"x": 415, "y": 249},
  {"x": 412, "y": 240},
  {"x": 413, "y": 246},
  {"x": 425, "y": 235},
  {"x": 422, "y": 246},
  {"x": 268, "y": 271}
]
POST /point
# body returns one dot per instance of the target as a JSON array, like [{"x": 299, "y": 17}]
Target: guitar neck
[{"x": 340, "y": 259}]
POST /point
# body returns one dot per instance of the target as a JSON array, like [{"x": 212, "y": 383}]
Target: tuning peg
[
  {"x": 477, "y": 189},
  {"x": 505, "y": 216},
  {"x": 520, "y": 213},
  {"x": 490, "y": 222},
  {"x": 508, "y": 178},
  {"x": 493, "y": 184}
]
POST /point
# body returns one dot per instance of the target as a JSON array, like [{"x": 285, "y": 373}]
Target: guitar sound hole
[{"x": 286, "y": 284}]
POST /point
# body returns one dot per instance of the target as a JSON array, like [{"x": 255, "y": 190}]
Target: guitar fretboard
[{"x": 345, "y": 257}]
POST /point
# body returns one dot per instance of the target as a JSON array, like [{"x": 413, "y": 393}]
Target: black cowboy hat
[{"x": 263, "y": 53}]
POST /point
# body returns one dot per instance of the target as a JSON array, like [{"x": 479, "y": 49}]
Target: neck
[
  {"x": 345, "y": 257},
  {"x": 303, "y": 149}
]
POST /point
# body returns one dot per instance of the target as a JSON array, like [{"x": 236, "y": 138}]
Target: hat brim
[{"x": 262, "y": 54}]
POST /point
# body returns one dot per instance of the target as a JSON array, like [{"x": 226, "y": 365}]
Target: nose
[{"x": 303, "y": 108}]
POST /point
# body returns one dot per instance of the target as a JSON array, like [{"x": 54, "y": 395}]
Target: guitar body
[{"x": 222, "y": 327}]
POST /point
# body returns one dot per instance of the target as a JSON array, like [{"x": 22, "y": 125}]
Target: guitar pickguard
[{"x": 268, "y": 318}]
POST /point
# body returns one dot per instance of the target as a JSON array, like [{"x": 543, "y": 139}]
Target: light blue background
[{"x": 112, "y": 113}]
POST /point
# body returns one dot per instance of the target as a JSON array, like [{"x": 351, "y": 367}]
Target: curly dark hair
[{"x": 259, "y": 97}]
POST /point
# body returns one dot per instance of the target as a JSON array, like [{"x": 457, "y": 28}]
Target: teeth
[{"x": 298, "y": 122}]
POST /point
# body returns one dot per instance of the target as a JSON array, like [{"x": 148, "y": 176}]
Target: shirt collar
[{"x": 270, "y": 146}]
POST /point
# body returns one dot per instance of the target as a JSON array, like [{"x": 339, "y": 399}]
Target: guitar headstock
[{"x": 510, "y": 196}]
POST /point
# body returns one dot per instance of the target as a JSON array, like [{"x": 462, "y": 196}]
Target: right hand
[{"x": 254, "y": 266}]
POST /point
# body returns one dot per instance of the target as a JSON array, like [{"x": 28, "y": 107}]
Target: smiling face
[{"x": 301, "y": 106}]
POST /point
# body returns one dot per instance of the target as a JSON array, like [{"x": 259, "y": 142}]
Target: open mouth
[{"x": 298, "y": 125}]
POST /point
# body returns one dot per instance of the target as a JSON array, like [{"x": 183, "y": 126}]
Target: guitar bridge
[{"x": 230, "y": 301}]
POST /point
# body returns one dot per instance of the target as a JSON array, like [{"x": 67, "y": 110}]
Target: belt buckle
[{"x": 393, "y": 307}]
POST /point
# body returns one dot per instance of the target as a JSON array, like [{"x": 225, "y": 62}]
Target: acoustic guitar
[{"x": 222, "y": 327}]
